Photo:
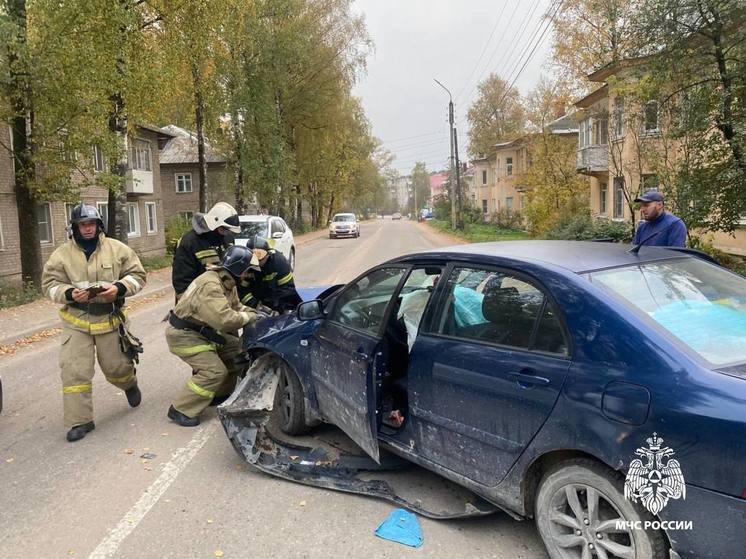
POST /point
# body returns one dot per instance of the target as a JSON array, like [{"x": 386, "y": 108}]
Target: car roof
[
  {"x": 344, "y": 213},
  {"x": 574, "y": 256},
  {"x": 255, "y": 218}
]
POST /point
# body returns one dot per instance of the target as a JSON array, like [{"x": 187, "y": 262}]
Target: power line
[
  {"x": 412, "y": 137},
  {"x": 484, "y": 49}
]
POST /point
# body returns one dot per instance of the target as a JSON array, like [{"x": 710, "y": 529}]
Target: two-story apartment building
[
  {"x": 619, "y": 142},
  {"x": 145, "y": 205},
  {"x": 498, "y": 178},
  {"x": 180, "y": 174}
]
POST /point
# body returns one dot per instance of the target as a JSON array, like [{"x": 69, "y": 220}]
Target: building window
[
  {"x": 618, "y": 197},
  {"x": 650, "y": 120},
  {"x": 484, "y": 206},
  {"x": 509, "y": 166},
  {"x": 484, "y": 177},
  {"x": 99, "y": 163},
  {"x": 186, "y": 216},
  {"x": 184, "y": 182},
  {"x": 600, "y": 131},
  {"x": 133, "y": 220},
  {"x": 509, "y": 203},
  {"x": 44, "y": 219},
  {"x": 522, "y": 201},
  {"x": 103, "y": 210},
  {"x": 69, "y": 211},
  {"x": 150, "y": 217},
  {"x": 603, "y": 192},
  {"x": 619, "y": 117},
  {"x": 140, "y": 155},
  {"x": 650, "y": 182}
]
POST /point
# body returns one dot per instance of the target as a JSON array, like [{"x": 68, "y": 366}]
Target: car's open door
[
  {"x": 343, "y": 371},
  {"x": 347, "y": 358}
]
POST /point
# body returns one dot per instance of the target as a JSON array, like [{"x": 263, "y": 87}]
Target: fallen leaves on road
[
  {"x": 209, "y": 521},
  {"x": 28, "y": 340},
  {"x": 302, "y": 504},
  {"x": 9, "y": 460},
  {"x": 128, "y": 451},
  {"x": 219, "y": 553}
]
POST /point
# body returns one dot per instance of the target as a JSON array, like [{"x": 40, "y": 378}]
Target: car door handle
[{"x": 528, "y": 380}]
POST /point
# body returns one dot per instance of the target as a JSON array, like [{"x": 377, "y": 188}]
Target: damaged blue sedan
[{"x": 597, "y": 390}]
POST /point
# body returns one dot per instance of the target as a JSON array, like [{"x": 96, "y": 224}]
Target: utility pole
[
  {"x": 460, "y": 202},
  {"x": 452, "y": 190}
]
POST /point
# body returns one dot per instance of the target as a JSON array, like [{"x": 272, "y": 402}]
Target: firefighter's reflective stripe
[
  {"x": 247, "y": 298},
  {"x": 207, "y": 253},
  {"x": 132, "y": 281},
  {"x": 270, "y": 277},
  {"x": 192, "y": 350},
  {"x": 284, "y": 279},
  {"x": 77, "y": 388},
  {"x": 121, "y": 380},
  {"x": 199, "y": 391},
  {"x": 92, "y": 327}
]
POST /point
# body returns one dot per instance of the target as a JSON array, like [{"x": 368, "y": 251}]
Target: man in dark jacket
[
  {"x": 660, "y": 228},
  {"x": 273, "y": 286},
  {"x": 211, "y": 234}
]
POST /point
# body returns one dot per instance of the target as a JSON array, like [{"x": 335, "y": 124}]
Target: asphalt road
[{"x": 141, "y": 486}]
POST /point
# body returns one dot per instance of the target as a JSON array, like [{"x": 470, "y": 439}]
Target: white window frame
[
  {"x": 508, "y": 166},
  {"x": 103, "y": 213},
  {"x": 620, "y": 199},
  {"x": 484, "y": 176},
  {"x": 136, "y": 232},
  {"x": 51, "y": 226},
  {"x": 99, "y": 161},
  {"x": 185, "y": 216},
  {"x": 140, "y": 155},
  {"x": 645, "y": 129},
  {"x": 509, "y": 203},
  {"x": 618, "y": 119},
  {"x": 183, "y": 176},
  {"x": 2, "y": 239},
  {"x": 154, "y": 229},
  {"x": 603, "y": 198}
]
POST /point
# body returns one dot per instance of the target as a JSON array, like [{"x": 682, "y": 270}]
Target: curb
[{"x": 55, "y": 322}]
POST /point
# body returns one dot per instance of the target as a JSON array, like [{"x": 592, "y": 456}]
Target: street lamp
[{"x": 450, "y": 122}]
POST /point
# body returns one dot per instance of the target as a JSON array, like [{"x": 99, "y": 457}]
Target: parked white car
[
  {"x": 344, "y": 224},
  {"x": 272, "y": 228}
]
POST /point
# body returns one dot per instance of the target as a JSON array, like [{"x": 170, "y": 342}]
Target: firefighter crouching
[
  {"x": 203, "y": 332},
  {"x": 273, "y": 285},
  {"x": 211, "y": 234},
  {"x": 90, "y": 275}
]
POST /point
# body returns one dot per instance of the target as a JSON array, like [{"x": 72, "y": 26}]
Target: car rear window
[{"x": 702, "y": 305}]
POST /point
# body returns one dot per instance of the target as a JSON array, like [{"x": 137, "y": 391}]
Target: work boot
[
  {"x": 80, "y": 431},
  {"x": 178, "y": 417},
  {"x": 217, "y": 400},
  {"x": 134, "y": 396}
]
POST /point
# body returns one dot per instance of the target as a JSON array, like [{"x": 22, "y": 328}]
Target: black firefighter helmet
[
  {"x": 83, "y": 212},
  {"x": 238, "y": 260}
]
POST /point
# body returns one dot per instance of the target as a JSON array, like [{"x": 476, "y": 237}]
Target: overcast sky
[{"x": 418, "y": 40}]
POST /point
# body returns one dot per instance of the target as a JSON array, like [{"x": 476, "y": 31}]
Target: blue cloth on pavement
[{"x": 401, "y": 526}]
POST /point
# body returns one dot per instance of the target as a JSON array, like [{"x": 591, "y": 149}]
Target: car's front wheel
[
  {"x": 581, "y": 513},
  {"x": 289, "y": 403}
]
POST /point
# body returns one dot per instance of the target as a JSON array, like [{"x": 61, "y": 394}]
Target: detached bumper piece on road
[{"x": 330, "y": 460}]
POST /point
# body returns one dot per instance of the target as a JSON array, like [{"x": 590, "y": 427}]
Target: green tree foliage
[
  {"x": 497, "y": 114},
  {"x": 420, "y": 181}
]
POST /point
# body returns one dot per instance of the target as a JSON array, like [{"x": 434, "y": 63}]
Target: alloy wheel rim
[{"x": 584, "y": 523}]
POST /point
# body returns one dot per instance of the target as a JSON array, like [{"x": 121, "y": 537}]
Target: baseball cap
[{"x": 650, "y": 196}]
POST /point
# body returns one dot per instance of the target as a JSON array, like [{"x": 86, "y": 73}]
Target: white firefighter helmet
[{"x": 221, "y": 214}]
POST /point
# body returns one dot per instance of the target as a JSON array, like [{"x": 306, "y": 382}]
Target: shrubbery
[
  {"x": 582, "y": 226},
  {"x": 175, "y": 228}
]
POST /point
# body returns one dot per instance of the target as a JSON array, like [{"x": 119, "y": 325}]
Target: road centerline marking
[{"x": 179, "y": 460}]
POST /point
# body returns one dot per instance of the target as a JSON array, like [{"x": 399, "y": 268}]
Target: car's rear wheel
[
  {"x": 289, "y": 403},
  {"x": 291, "y": 260},
  {"x": 581, "y": 513}
]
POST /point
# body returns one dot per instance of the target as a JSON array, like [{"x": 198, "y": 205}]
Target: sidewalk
[{"x": 40, "y": 319}]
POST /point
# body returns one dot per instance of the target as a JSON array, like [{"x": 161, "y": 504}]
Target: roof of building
[
  {"x": 182, "y": 148},
  {"x": 160, "y": 131},
  {"x": 566, "y": 124},
  {"x": 607, "y": 70},
  {"x": 592, "y": 97}
]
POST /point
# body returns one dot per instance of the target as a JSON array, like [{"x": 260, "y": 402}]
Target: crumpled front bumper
[{"x": 323, "y": 462}]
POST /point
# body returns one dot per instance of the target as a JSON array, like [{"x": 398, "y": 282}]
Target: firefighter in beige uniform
[
  {"x": 203, "y": 332},
  {"x": 72, "y": 276}
]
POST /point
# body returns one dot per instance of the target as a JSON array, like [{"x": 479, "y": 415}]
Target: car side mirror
[
  {"x": 311, "y": 310},
  {"x": 277, "y": 235}
]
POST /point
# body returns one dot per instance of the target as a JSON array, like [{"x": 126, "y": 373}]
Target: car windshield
[
  {"x": 251, "y": 228},
  {"x": 702, "y": 305},
  {"x": 338, "y": 218}
]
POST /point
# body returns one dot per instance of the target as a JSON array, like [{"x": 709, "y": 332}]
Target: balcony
[
  {"x": 593, "y": 159},
  {"x": 139, "y": 182}
]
